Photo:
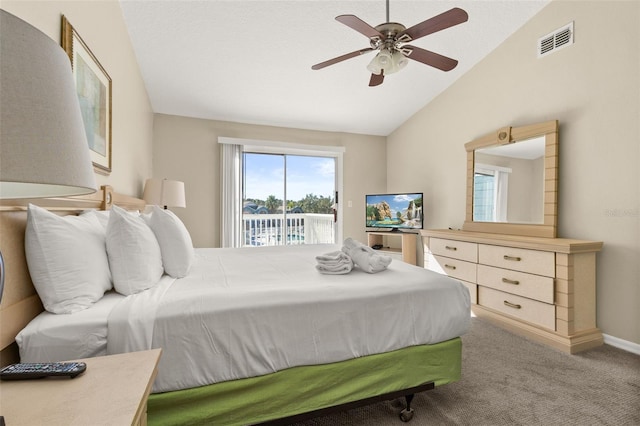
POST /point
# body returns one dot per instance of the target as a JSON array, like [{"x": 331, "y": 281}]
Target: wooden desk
[{"x": 112, "y": 391}]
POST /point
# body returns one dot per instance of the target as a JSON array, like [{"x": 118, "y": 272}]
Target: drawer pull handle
[
  {"x": 514, "y": 258},
  {"x": 451, "y": 248},
  {"x": 508, "y": 281},
  {"x": 512, "y": 305},
  {"x": 449, "y": 266}
]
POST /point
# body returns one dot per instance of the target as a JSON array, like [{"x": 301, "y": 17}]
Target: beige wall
[
  {"x": 186, "y": 149},
  {"x": 593, "y": 89},
  {"x": 101, "y": 26}
]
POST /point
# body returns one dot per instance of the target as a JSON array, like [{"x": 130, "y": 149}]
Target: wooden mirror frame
[{"x": 508, "y": 135}]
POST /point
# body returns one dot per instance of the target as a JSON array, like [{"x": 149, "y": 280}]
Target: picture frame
[{"x": 94, "y": 88}]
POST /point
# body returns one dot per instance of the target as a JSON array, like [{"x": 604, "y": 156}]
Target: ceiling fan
[{"x": 390, "y": 40}]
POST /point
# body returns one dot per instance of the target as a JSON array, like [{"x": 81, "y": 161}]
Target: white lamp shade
[
  {"x": 164, "y": 192},
  {"x": 43, "y": 146}
]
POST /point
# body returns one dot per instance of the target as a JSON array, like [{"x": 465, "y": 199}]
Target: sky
[{"x": 264, "y": 176}]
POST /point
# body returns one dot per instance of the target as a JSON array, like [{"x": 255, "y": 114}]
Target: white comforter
[{"x": 247, "y": 312}]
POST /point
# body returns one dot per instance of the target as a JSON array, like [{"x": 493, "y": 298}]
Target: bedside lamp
[
  {"x": 164, "y": 192},
  {"x": 43, "y": 146}
]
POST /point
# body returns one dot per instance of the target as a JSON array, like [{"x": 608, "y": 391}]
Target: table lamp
[
  {"x": 43, "y": 146},
  {"x": 164, "y": 192}
]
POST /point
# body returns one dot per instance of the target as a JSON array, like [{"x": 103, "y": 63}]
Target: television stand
[{"x": 408, "y": 251}]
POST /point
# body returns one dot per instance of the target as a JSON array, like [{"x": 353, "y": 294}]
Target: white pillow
[
  {"x": 134, "y": 253},
  {"x": 174, "y": 239},
  {"x": 101, "y": 215},
  {"x": 67, "y": 260}
]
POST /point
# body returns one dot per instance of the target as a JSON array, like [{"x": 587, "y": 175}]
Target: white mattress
[
  {"x": 60, "y": 337},
  {"x": 252, "y": 311}
]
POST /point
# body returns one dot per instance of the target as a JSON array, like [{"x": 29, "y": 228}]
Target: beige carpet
[{"x": 509, "y": 380}]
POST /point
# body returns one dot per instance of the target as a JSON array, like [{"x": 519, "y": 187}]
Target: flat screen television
[{"x": 399, "y": 211}]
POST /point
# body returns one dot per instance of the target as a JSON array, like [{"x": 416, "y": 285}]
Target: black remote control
[{"x": 37, "y": 370}]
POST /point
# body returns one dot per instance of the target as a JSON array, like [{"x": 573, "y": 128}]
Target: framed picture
[{"x": 93, "y": 86}]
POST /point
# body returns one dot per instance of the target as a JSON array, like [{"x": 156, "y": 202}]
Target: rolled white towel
[
  {"x": 334, "y": 258},
  {"x": 334, "y": 263},
  {"x": 344, "y": 268},
  {"x": 365, "y": 257}
]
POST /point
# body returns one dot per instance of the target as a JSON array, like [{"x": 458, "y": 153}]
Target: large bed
[{"x": 256, "y": 334}]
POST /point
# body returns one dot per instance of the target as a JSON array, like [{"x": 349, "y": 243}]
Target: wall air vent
[{"x": 556, "y": 40}]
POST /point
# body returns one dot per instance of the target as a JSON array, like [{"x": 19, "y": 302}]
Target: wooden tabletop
[{"x": 112, "y": 391}]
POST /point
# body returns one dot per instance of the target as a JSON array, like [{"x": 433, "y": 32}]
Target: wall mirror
[{"x": 512, "y": 181}]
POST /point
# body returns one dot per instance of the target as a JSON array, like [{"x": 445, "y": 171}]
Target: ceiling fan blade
[
  {"x": 341, "y": 58},
  {"x": 376, "y": 79},
  {"x": 360, "y": 26},
  {"x": 429, "y": 58},
  {"x": 447, "y": 19}
]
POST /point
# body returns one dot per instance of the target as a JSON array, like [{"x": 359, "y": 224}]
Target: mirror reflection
[{"x": 508, "y": 183}]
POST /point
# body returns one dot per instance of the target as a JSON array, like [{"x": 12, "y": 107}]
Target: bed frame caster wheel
[{"x": 406, "y": 415}]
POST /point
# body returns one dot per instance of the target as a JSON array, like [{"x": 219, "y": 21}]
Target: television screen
[{"x": 394, "y": 211}]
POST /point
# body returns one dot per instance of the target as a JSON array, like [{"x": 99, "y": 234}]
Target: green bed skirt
[{"x": 302, "y": 389}]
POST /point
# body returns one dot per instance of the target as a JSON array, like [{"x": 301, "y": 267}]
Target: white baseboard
[{"x": 622, "y": 344}]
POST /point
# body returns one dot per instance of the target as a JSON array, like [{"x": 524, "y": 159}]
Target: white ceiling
[{"x": 250, "y": 61}]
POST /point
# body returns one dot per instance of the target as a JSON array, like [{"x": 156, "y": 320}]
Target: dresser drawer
[
  {"x": 455, "y": 249},
  {"x": 532, "y": 261},
  {"x": 532, "y": 311},
  {"x": 456, "y": 268},
  {"x": 521, "y": 283}
]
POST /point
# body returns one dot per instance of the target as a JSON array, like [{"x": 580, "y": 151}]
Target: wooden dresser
[{"x": 544, "y": 288}]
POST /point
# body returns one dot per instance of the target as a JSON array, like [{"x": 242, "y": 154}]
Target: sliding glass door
[{"x": 288, "y": 199}]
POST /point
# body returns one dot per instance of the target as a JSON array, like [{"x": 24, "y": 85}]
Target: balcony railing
[{"x": 295, "y": 228}]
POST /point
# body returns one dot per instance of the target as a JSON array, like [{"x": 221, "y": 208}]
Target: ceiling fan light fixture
[
  {"x": 373, "y": 67},
  {"x": 382, "y": 61},
  {"x": 384, "y": 58},
  {"x": 400, "y": 60},
  {"x": 388, "y": 62}
]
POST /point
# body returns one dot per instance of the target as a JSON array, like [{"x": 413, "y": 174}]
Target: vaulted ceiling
[{"x": 250, "y": 61}]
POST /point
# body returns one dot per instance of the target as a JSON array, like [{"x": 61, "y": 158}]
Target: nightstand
[{"x": 112, "y": 391}]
